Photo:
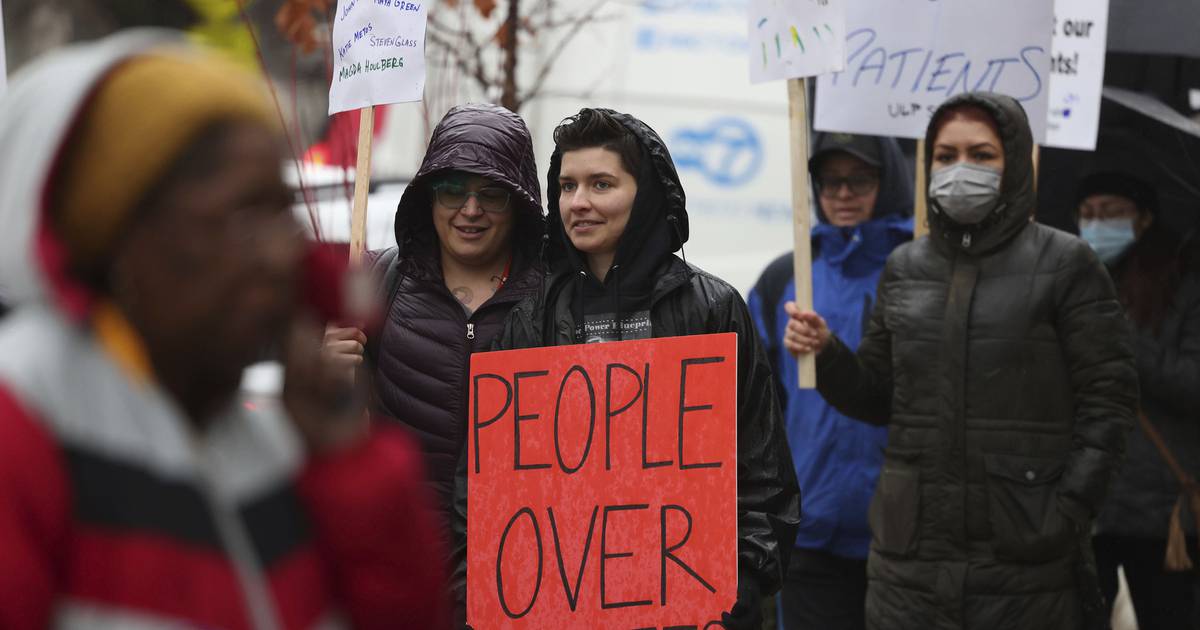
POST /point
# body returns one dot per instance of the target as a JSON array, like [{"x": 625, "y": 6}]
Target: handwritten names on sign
[{"x": 378, "y": 53}]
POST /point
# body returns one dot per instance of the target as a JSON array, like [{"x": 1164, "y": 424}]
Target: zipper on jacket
[
  {"x": 966, "y": 240},
  {"x": 470, "y": 330}
]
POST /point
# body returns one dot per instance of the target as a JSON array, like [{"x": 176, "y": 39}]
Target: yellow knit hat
[{"x": 142, "y": 115}]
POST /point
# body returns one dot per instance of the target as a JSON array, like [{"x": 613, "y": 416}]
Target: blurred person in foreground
[
  {"x": 617, "y": 215},
  {"x": 469, "y": 228},
  {"x": 1002, "y": 363},
  {"x": 864, "y": 204},
  {"x": 1160, "y": 291},
  {"x": 151, "y": 255}
]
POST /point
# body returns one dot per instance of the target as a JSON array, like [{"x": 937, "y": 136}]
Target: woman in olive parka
[{"x": 1002, "y": 363}]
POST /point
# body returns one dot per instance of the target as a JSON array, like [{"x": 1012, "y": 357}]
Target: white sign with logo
[
  {"x": 378, "y": 54},
  {"x": 790, "y": 39},
  {"x": 1077, "y": 73},
  {"x": 905, "y": 57}
]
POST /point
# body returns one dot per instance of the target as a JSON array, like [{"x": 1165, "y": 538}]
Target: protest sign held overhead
[
  {"x": 602, "y": 485},
  {"x": 794, "y": 39},
  {"x": 905, "y": 57},
  {"x": 378, "y": 59},
  {"x": 1077, "y": 73},
  {"x": 378, "y": 53}
]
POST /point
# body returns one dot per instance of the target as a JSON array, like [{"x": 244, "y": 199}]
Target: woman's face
[
  {"x": 968, "y": 135},
  {"x": 1107, "y": 208},
  {"x": 473, "y": 217},
  {"x": 595, "y": 199},
  {"x": 848, "y": 187}
]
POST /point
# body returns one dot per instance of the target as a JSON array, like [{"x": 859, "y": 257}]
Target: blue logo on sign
[{"x": 728, "y": 152}]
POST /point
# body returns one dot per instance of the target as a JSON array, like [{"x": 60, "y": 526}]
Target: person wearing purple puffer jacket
[{"x": 469, "y": 228}]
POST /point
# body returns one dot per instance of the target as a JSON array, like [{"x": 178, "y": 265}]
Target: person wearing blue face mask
[
  {"x": 999, "y": 358},
  {"x": 1114, "y": 210},
  {"x": 1161, "y": 294}
]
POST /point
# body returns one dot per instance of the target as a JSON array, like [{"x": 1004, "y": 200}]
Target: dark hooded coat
[
  {"x": 682, "y": 300},
  {"x": 1168, "y": 363},
  {"x": 1000, "y": 359},
  {"x": 421, "y": 362}
]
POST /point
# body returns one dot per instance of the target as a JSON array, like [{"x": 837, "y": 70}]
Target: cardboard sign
[
  {"x": 791, "y": 39},
  {"x": 378, "y": 53},
  {"x": 602, "y": 485},
  {"x": 1077, "y": 73},
  {"x": 905, "y": 57}
]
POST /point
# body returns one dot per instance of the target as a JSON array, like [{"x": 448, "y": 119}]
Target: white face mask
[
  {"x": 1108, "y": 237},
  {"x": 966, "y": 192}
]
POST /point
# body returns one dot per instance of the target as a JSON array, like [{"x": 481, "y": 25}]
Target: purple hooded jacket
[{"x": 421, "y": 361}]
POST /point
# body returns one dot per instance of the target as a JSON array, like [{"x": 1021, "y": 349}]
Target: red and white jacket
[{"x": 115, "y": 512}]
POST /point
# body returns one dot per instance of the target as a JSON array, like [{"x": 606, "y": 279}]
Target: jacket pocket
[
  {"x": 895, "y": 509},
  {"x": 1027, "y": 525}
]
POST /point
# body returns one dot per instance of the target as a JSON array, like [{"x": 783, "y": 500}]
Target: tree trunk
[{"x": 508, "y": 96}]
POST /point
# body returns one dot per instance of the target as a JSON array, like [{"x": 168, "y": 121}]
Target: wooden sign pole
[
  {"x": 362, "y": 186},
  {"x": 801, "y": 214},
  {"x": 920, "y": 202},
  {"x": 1037, "y": 157}
]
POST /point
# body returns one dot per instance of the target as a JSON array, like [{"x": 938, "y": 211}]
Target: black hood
[
  {"x": 895, "y": 177},
  {"x": 657, "y": 227},
  {"x": 1017, "y": 196},
  {"x": 659, "y": 170},
  {"x": 485, "y": 140}
]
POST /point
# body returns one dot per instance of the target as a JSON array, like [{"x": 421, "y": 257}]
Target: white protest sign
[
  {"x": 905, "y": 57},
  {"x": 379, "y": 53},
  {"x": 1077, "y": 73},
  {"x": 790, "y": 39}
]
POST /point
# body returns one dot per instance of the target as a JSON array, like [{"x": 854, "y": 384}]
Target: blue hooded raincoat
[{"x": 837, "y": 459}]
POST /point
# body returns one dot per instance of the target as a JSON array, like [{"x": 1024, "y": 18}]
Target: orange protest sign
[{"x": 602, "y": 485}]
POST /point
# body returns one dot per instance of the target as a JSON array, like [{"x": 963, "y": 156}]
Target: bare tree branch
[
  {"x": 476, "y": 72},
  {"x": 587, "y": 17},
  {"x": 454, "y": 51},
  {"x": 473, "y": 53}
]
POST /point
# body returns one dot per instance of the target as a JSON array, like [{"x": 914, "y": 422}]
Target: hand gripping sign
[{"x": 602, "y": 485}]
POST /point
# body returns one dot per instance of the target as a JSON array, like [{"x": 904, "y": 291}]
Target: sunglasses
[
  {"x": 828, "y": 186},
  {"x": 453, "y": 196}
]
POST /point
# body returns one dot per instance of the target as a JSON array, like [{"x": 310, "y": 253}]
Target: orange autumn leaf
[
  {"x": 503, "y": 36},
  {"x": 295, "y": 20},
  {"x": 485, "y": 7}
]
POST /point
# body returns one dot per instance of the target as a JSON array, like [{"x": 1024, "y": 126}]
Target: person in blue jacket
[{"x": 864, "y": 202}]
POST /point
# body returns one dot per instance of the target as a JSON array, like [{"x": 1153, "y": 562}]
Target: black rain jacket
[
  {"x": 683, "y": 301},
  {"x": 1002, "y": 363}
]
